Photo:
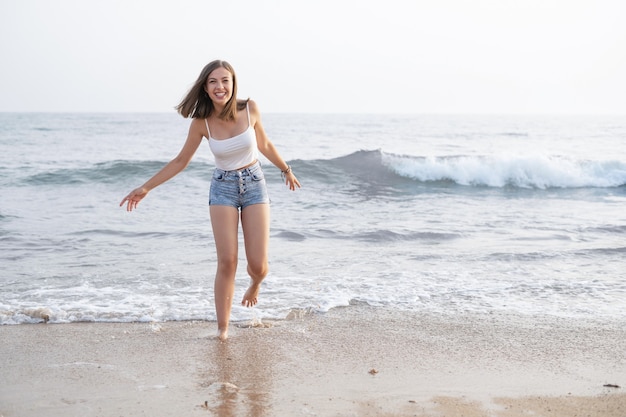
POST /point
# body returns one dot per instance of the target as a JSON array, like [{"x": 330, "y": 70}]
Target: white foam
[{"x": 502, "y": 170}]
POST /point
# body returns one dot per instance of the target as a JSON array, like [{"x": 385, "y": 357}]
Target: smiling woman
[{"x": 238, "y": 189}]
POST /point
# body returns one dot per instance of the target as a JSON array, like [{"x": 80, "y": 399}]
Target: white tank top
[{"x": 236, "y": 152}]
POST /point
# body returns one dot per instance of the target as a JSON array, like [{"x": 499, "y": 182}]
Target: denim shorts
[{"x": 239, "y": 189}]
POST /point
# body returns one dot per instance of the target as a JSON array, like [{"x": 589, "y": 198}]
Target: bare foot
[
  {"x": 250, "y": 297},
  {"x": 222, "y": 334}
]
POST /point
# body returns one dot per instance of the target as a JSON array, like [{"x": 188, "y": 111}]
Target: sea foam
[{"x": 507, "y": 170}]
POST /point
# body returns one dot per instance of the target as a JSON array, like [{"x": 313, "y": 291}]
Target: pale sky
[{"x": 320, "y": 56}]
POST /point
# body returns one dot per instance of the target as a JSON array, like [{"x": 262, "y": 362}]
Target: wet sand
[{"x": 355, "y": 361}]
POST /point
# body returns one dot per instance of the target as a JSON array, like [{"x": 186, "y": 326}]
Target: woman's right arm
[{"x": 176, "y": 165}]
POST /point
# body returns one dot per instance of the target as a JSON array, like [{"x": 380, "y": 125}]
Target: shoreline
[{"x": 352, "y": 361}]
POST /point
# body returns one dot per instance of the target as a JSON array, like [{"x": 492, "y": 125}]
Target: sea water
[{"x": 441, "y": 214}]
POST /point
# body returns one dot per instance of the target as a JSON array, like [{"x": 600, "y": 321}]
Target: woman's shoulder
[
  {"x": 197, "y": 121},
  {"x": 198, "y": 127},
  {"x": 254, "y": 108}
]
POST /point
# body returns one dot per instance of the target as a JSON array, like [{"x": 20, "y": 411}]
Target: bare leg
[
  {"x": 255, "y": 221},
  {"x": 225, "y": 222}
]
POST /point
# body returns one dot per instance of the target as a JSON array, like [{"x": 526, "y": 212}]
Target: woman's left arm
[{"x": 267, "y": 148}]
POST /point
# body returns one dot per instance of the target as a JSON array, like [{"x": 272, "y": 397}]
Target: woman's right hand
[{"x": 133, "y": 198}]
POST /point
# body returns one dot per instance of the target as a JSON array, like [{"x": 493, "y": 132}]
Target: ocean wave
[
  {"x": 103, "y": 172},
  {"x": 377, "y": 171},
  {"x": 541, "y": 172},
  {"x": 611, "y": 229},
  {"x": 498, "y": 171},
  {"x": 376, "y": 236}
]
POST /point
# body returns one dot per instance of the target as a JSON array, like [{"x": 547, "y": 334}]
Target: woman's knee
[
  {"x": 227, "y": 264},
  {"x": 258, "y": 270}
]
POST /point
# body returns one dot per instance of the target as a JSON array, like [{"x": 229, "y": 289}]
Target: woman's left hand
[{"x": 291, "y": 181}]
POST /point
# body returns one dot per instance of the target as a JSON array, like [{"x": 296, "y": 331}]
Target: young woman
[{"x": 235, "y": 133}]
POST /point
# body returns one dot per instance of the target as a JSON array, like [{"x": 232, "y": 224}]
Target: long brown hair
[{"x": 197, "y": 103}]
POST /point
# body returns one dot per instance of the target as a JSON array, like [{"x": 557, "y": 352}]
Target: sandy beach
[{"x": 355, "y": 361}]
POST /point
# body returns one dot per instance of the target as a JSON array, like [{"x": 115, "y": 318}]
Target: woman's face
[{"x": 219, "y": 86}]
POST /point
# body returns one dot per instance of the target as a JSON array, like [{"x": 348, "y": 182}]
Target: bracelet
[{"x": 285, "y": 172}]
